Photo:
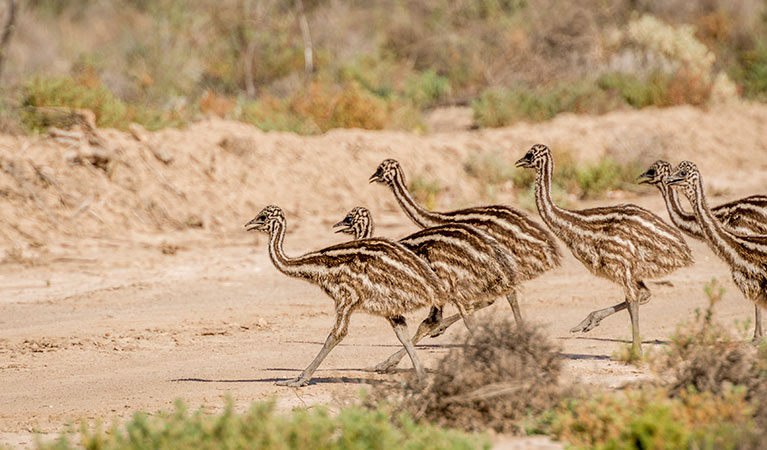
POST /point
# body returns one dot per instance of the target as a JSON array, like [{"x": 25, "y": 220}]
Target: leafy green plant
[{"x": 262, "y": 427}]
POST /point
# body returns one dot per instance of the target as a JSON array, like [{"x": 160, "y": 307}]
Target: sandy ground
[
  {"x": 111, "y": 307},
  {"x": 107, "y": 327}
]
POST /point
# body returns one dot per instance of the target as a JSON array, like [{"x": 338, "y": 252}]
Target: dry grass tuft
[
  {"x": 704, "y": 356},
  {"x": 500, "y": 378}
]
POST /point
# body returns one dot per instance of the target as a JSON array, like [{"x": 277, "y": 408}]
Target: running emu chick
[
  {"x": 745, "y": 216},
  {"x": 376, "y": 276},
  {"x": 532, "y": 247},
  {"x": 746, "y": 254},
  {"x": 472, "y": 265},
  {"x": 625, "y": 244}
]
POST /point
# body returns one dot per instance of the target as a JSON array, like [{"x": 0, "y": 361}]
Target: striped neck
[
  {"x": 679, "y": 217},
  {"x": 365, "y": 229},
  {"x": 417, "y": 213},
  {"x": 283, "y": 263},
  {"x": 716, "y": 235},
  {"x": 556, "y": 218}
]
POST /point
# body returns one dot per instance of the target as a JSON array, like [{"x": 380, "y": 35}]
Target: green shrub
[
  {"x": 426, "y": 89},
  {"x": 86, "y": 92},
  {"x": 751, "y": 73},
  {"x": 490, "y": 167},
  {"x": 319, "y": 108},
  {"x": 634, "y": 90},
  {"x": 649, "y": 418},
  {"x": 272, "y": 114},
  {"x": 424, "y": 190},
  {"x": 595, "y": 179},
  {"x": 586, "y": 180},
  {"x": 503, "y": 106},
  {"x": 262, "y": 427}
]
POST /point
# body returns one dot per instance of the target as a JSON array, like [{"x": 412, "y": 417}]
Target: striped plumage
[
  {"x": 472, "y": 265},
  {"x": 532, "y": 247},
  {"x": 744, "y": 216},
  {"x": 625, "y": 244},
  {"x": 746, "y": 254},
  {"x": 377, "y": 276}
]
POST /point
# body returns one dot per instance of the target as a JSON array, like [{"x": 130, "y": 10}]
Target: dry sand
[{"x": 126, "y": 287}]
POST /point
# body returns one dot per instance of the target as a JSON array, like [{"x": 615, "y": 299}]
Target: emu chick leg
[
  {"x": 445, "y": 324},
  {"x": 592, "y": 320},
  {"x": 340, "y": 328},
  {"x": 514, "y": 303},
  {"x": 430, "y": 322},
  {"x": 636, "y": 341},
  {"x": 306, "y": 375},
  {"x": 400, "y": 329},
  {"x": 758, "y": 333}
]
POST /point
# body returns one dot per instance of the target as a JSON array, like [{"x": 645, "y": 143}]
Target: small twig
[
  {"x": 486, "y": 392},
  {"x": 83, "y": 206},
  {"x": 5, "y": 39}
]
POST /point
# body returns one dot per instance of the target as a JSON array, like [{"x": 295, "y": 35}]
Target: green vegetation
[
  {"x": 498, "y": 107},
  {"x": 751, "y": 73},
  {"x": 715, "y": 399},
  {"x": 650, "y": 418},
  {"x": 712, "y": 394},
  {"x": 262, "y": 427},
  {"x": 85, "y": 92},
  {"x": 424, "y": 191},
  {"x": 587, "y": 180},
  {"x": 506, "y": 58}
]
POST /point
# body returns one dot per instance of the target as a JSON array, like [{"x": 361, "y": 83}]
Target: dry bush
[
  {"x": 499, "y": 378},
  {"x": 704, "y": 356}
]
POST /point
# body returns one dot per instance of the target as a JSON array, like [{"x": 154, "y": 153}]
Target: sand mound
[{"x": 216, "y": 174}]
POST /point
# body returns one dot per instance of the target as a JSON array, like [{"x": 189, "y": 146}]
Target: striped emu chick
[
  {"x": 746, "y": 254},
  {"x": 472, "y": 265},
  {"x": 625, "y": 244},
  {"x": 745, "y": 216},
  {"x": 376, "y": 276},
  {"x": 532, "y": 247}
]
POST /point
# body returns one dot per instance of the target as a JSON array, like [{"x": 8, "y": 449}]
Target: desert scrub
[
  {"x": 706, "y": 357},
  {"x": 751, "y": 72},
  {"x": 424, "y": 190},
  {"x": 502, "y": 378},
  {"x": 319, "y": 108},
  {"x": 262, "y": 427},
  {"x": 636, "y": 91},
  {"x": 649, "y": 418},
  {"x": 426, "y": 89},
  {"x": 587, "y": 180},
  {"x": 498, "y": 107},
  {"x": 86, "y": 92}
]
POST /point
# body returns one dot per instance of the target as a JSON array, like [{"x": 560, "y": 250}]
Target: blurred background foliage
[{"x": 311, "y": 65}]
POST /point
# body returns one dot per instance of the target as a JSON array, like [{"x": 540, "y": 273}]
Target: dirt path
[
  {"x": 129, "y": 283},
  {"x": 103, "y": 328}
]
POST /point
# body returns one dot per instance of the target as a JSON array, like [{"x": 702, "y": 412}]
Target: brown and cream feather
[
  {"x": 625, "y": 244},
  {"x": 744, "y": 216}
]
